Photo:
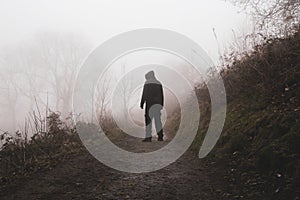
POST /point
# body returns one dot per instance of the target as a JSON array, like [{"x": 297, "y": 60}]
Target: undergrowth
[
  {"x": 261, "y": 130},
  {"x": 20, "y": 156}
]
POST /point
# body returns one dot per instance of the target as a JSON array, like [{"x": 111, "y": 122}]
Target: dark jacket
[{"x": 152, "y": 91}]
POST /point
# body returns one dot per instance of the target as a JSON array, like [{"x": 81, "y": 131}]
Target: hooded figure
[{"x": 154, "y": 98}]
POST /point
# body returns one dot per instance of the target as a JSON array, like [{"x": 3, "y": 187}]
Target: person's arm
[
  {"x": 143, "y": 98},
  {"x": 162, "y": 95}
]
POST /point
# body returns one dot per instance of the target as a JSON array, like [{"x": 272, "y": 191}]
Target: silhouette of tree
[{"x": 275, "y": 18}]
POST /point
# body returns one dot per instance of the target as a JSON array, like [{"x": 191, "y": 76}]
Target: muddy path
[{"x": 83, "y": 177}]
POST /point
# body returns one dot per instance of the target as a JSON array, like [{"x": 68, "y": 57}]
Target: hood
[{"x": 150, "y": 75}]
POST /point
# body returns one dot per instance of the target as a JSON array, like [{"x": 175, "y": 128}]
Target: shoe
[
  {"x": 147, "y": 139},
  {"x": 160, "y": 136}
]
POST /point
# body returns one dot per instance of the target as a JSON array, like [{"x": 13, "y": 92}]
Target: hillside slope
[{"x": 261, "y": 140}]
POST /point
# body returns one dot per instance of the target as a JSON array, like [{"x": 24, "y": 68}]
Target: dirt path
[{"x": 83, "y": 177}]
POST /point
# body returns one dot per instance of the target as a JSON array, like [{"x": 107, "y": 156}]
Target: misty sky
[{"x": 98, "y": 20}]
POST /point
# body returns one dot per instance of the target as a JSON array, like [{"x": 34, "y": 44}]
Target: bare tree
[
  {"x": 275, "y": 18},
  {"x": 10, "y": 94},
  {"x": 126, "y": 91},
  {"x": 102, "y": 99},
  {"x": 62, "y": 57},
  {"x": 19, "y": 83},
  {"x": 32, "y": 70},
  {"x": 31, "y": 83}
]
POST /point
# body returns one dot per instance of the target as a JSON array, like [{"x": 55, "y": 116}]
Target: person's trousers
[{"x": 153, "y": 113}]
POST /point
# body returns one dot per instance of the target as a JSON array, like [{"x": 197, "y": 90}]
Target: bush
[{"x": 20, "y": 156}]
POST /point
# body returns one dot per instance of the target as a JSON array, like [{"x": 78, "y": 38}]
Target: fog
[{"x": 43, "y": 44}]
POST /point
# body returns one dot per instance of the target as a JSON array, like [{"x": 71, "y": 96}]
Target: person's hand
[{"x": 142, "y": 106}]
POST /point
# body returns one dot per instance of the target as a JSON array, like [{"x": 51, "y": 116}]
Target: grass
[{"x": 263, "y": 112}]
